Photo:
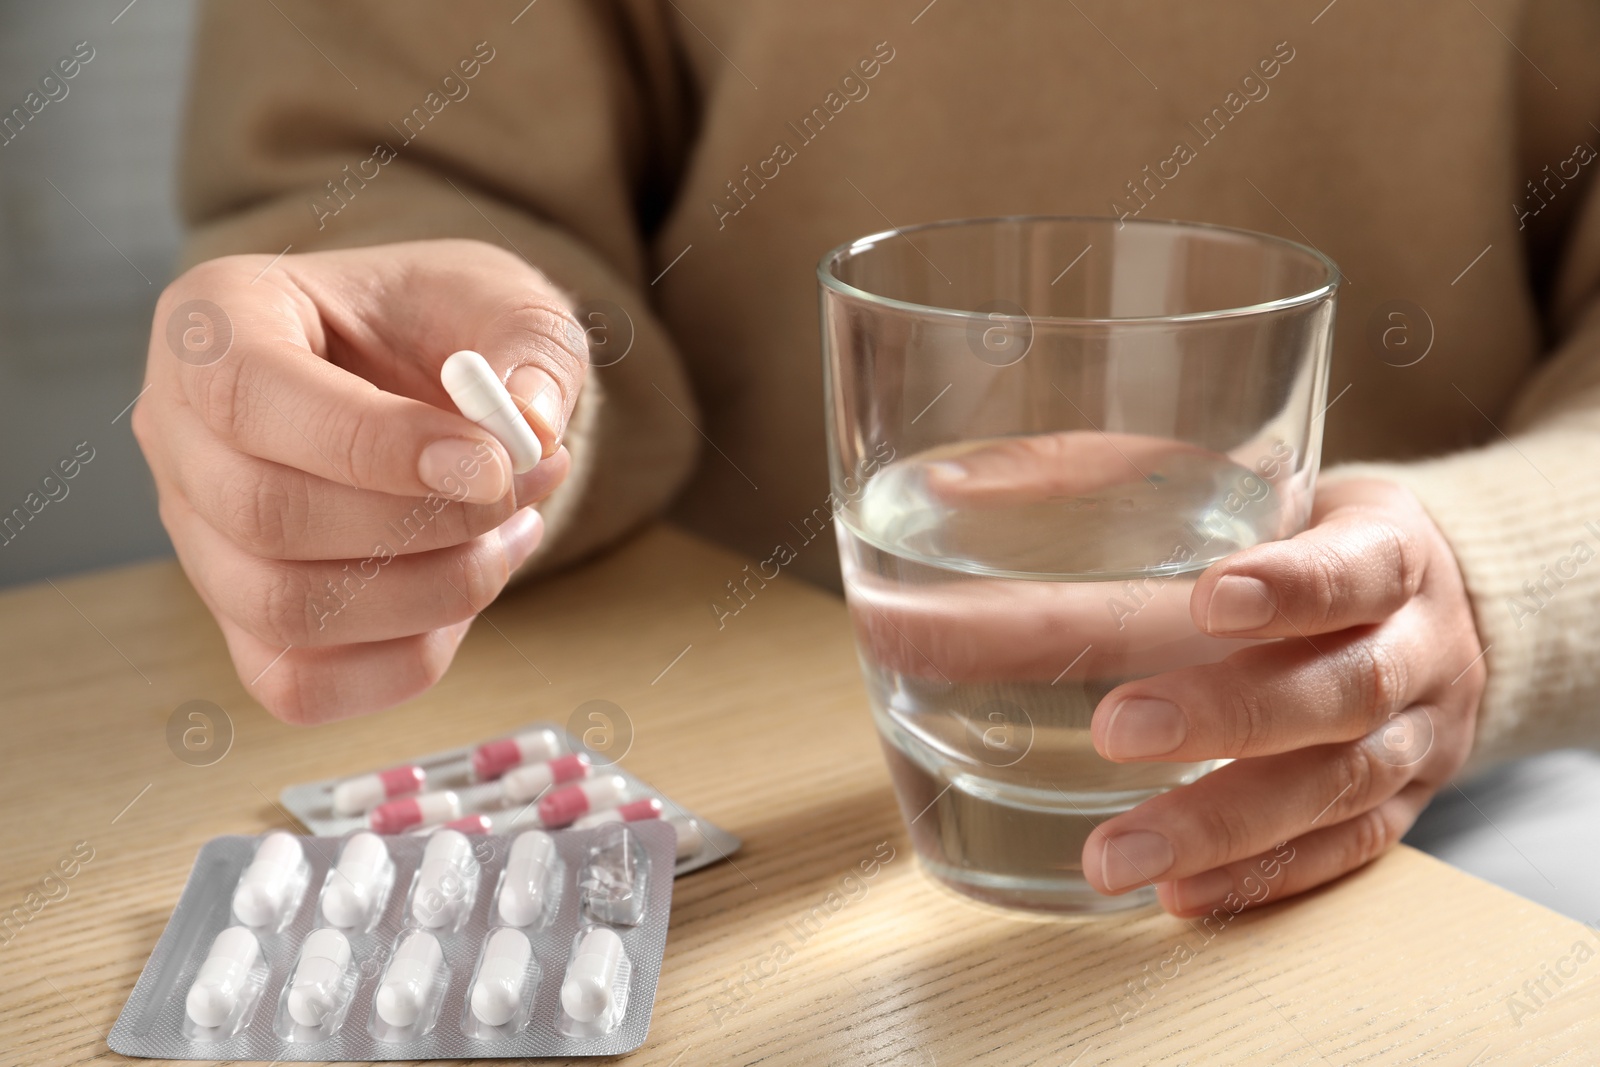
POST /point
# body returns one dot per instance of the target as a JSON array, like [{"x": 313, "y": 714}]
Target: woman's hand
[
  {"x": 1341, "y": 731},
  {"x": 342, "y": 522}
]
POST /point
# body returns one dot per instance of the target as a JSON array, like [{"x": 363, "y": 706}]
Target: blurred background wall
[{"x": 88, "y": 238}]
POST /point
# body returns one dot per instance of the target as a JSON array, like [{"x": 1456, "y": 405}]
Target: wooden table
[{"x": 762, "y": 727}]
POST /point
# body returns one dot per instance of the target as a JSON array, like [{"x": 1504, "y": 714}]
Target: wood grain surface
[{"x": 820, "y": 943}]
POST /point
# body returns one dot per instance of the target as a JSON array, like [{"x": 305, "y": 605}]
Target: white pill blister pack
[
  {"x": 410, "y": 947},
  {"x": 537, "y": 777}
]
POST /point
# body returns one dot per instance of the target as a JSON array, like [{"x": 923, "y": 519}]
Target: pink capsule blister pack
[
  {"x": 410, "y": 947},
  {"x": 538, "y": 776}
]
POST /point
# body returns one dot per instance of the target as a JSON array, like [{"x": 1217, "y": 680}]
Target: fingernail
[
  {"x": 520, "y": 535},
  {"x": 464, "y": 470},
  {"x": 537, "y": 396},
  {"x": 1142, "y": 727},
  {"x": 1202, "y": 891},
  {"x": 1134, "y": 859},
  {"x": 1239, "y": 603}
]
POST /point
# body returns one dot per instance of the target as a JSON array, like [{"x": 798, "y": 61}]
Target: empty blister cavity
[
  {"x": 446, "y": 884},
  {"x": 407, "y": 1002},
  {"x": 269, "y": 891},
  {"x": 500, "y": 996},
  {"x": 319, "y": 992},
  {"x": 358, "y": 885},
  {"x": 530, "y": 888},
  {"x": 594, "y": 991},
  {"x": 611, "y": 886},
  {"x": 222, "y": 998}
]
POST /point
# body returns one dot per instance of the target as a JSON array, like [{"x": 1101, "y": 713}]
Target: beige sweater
[{"x": 688, "y": 161}]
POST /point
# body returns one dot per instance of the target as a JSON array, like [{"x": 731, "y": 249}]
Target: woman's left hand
[{"x": 1341, "y": 731}]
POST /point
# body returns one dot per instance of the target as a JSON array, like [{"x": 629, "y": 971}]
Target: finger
[
  {"x": 379, "y": 597},
  {"x": 1038, "y": 467},
  {"x": 274, "y": 399},
  {"x": 986, "y": 629},
  {"x": 497, "y": 305},
  {"x": 1295, "y": 866},
  {"x": 1268, "y": 698},
  {"x": 306, "y": 686},
  {"x": 1239, "y": 810},
  {"x": 1356, "y": 566},
  {"x": 277, "y": 512}
]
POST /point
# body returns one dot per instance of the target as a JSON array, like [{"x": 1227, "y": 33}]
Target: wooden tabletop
[{"x": 762, "y": 727}]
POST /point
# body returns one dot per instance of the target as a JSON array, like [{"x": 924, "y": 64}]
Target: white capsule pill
[
  {"x": 690, "y": 838},
  {"x": 220, "y": 985},
  {"x": 317, "y": 988},
  {"x": 479, "y": 394},
  {"x": 408, "y": 984},
  {"x": 358, "y": 881},
  {"x": 586, "y": 992},
  {"x": 357, "y": 796},
  {"x": 522, "y": 894},
  {"x": 497, "y": 993},
  {"x": 267, "y": 884},
  {"x": 443, "y": 878}
]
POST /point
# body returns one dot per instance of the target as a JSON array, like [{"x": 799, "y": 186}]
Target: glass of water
[{"x": 1040, "y": 432}]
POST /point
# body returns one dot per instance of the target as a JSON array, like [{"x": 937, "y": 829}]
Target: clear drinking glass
[{"x": 1040, "y": 432}]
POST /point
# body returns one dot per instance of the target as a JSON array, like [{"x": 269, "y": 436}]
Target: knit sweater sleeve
[{"x": 1522, "y": 513}]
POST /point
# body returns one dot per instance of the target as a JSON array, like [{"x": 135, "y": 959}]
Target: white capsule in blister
[
  {"x": 587, "y": 990},
  {"x": 357, "y": 881},
  {"x": 522, "y": 893},
  {"x": 408, "y": 984},
  {"x": 497, "y": 993},
  {"x": 218, "y": 988},
  {"x": 690, "y": 837},
  {"x": 317, "y": 987},
  {"x": 443, "y": 879},
  {"x": 267, "y": 884}
]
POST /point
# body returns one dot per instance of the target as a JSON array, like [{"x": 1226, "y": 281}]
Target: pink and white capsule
[
  {"x": 522, "y": 784},
  {"x": 424, "y": 809},
  {"x": 559, "y": 808},
  {"x": 493, "y": 758},
  {"x": 633, "y": 811},
  {"x": 359, "y": 795}
]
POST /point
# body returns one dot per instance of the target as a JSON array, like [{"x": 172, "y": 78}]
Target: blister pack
[
  {"x": 538, "y": 777},
  {"x": 419, "y": 946}
]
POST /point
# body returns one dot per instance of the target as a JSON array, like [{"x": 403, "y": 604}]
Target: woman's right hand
[{"x": 337, "y": 515}]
